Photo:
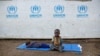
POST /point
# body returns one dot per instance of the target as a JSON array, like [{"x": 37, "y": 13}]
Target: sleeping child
[
  {"x": 56, "y": 41},
  {"x": 36, "y": 45}
]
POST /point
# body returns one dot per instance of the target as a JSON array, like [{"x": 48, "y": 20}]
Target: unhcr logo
[
  {"x": 59, "y": 11},
  {"x": 12, "y": 10},
  {"x": 82, "y": 11},
  {"x": 35, "y": 11}
]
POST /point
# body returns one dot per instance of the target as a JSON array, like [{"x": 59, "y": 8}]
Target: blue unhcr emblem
[
  {"x": 59, "y": 9},
  {"x": 35, "y": 9},
  {"x": 82, "y": 9},
  {"x": 12, "y": 9}
]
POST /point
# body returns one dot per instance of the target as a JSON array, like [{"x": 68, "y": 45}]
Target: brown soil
[{"x": 8, "y": 48}]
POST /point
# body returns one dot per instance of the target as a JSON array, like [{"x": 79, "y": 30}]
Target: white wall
[{"x": 71, "y": 25}]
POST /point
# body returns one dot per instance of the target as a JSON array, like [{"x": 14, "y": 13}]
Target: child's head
[
  {"x": 27, "y": 43},
  {"x": 57, "y": 32}
]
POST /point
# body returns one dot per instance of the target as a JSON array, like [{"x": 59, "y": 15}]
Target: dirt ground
[{"x": 90, "y": 47}]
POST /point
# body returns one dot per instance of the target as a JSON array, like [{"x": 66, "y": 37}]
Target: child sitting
[
  {"x": 36, "y": 45},
  {"x": 56, "y": 41}
]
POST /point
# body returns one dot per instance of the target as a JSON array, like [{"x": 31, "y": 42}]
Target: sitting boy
[
  {"x": 56, "y": 41},
  {"x": 36, "y": 45}
]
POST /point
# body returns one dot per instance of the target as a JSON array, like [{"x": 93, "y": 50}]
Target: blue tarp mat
[{"x": 67, "y": 47}]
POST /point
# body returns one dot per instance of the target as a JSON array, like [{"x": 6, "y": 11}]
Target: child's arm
[
  {"x": 61, "y": 41},
  {"x": 52, "y": 41}
]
